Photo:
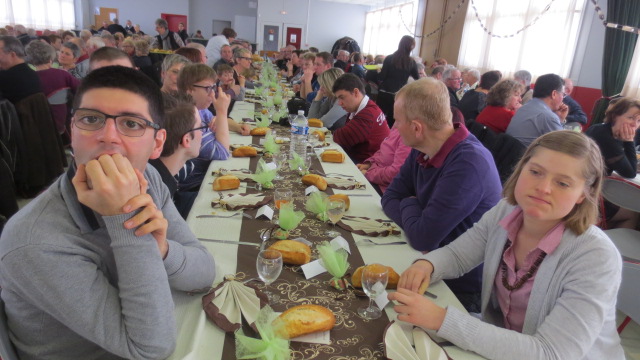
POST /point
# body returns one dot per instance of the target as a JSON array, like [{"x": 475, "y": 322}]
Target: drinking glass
[
  {"x": 314, "y": 139},
  {"x": 279, "y": 158},
  {"x": 335, "y": 210},
  {"x": 374, "y": 283},
  {"x": 269, "y": 266},
  {"x": 282, "y": 196}
]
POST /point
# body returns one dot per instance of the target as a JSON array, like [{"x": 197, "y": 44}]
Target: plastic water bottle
[{"x": 299, "y": 134}]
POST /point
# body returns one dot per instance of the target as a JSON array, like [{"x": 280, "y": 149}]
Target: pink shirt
[
  {"x": 514, "y": 303},
  {"x": 386, "y": 162}
]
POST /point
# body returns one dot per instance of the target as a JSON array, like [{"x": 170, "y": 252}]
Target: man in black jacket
[{"x": 166, "y": 39}]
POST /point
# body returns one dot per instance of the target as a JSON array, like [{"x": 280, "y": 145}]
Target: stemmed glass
[
  {"x": 279, "y": 158},
  {"x": 269, "y": 266},
  {"x": 335, "y": 210},
  {"x": 374, "y": 283}
]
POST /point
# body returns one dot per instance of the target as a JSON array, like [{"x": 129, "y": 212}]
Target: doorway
[
  {"x": 173, "y": 20},
  {"x": 219, "y": 25}
]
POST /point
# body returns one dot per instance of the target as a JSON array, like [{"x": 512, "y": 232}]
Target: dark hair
[
  {"x": 618, "y": 107},
  {"x": 546, "y": 84},
  {"x": 108, "y": 54},
  {"x": 229, "y": 33},
  {"x": 223, "y": 68},
  {"x": 11, "y": 43},
  {"x": 192, "y": 73},
  {"x": 489, "y": 79},
  {"x": 314, "y": 49},
  {"x": 356, "y": 57},
  {"x": 402, "y": 57},
  {"x": 192, "y": 54},
  {"x": 45, "y": 39},
  {"x": 64, "y": 34},
  {"x": 53, "y": 38},
  {"x": 326, "y": 57},
  {"x": 437, "y": 70},
  {"x": 178, "y": 122},
  {"x": 348, "y": 82},
  {"x": 299, "y": 52},
  {"x": 124, "y": 78}
]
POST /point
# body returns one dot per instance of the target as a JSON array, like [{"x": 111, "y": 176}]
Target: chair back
[
  {"x": 622, "y": 193},
  {"x": 7, "y": 351}
]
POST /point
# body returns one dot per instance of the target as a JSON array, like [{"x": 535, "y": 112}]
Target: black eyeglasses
[
  {"x": 127, "y": 125},
  {"x": 208, "y": 89},
  {"x": 203, "y": 127}
]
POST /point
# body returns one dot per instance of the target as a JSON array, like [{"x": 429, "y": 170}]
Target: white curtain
[
  {"x": 38, "y": 14},
  {"x": 385, "y": 27},
  {"x": 547, "y": 46},
  {"x": 632, "y": 84}
]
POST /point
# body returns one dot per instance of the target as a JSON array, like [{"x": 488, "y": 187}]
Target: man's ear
[
  {"x": 186, "y": 140},
  {"x": 158, "y": 143}
]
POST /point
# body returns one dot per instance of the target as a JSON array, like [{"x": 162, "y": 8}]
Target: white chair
[
  {"x": 7, "y": 352},
  {"x": 626, "y": 195}
]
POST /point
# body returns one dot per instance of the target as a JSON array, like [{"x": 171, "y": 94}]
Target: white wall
[
  {"x": 143, "y": 12},
  {"x": 586, "y": 70},
  {"x": 204, "y": 11}
]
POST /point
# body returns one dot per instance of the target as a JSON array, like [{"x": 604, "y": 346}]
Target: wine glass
[
  {"x": 279, "y": 158},
  {"x": 269, "y": 266},
  {"x": 282, "y": 196},
  {"x": 374, "y": 283},
  {"x": 335, "y": 210}
]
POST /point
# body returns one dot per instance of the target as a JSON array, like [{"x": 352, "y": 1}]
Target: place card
[
  {"x": 381, "y": 300},
  {"x": 310, "y": 189},
  {"x": 313, "y": 269},
  {"x": 261, "y": 141},
  {"x": 271, "y": 166},
  {"x": 340, "y": 243},
  {"x": 323, "y": 337},
  {"x": 265, "y": 211},
  {"x": 303, "y": 240}
]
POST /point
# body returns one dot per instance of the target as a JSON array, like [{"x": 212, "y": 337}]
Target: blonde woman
[
  {"x": 325, "y": 105},
  {"x": 141, "y": 56}
]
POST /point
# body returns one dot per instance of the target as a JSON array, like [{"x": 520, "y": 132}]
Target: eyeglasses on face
[
  {"x": 208, "y": 89},
  {"x": 203, "y": 127},
  {"x": 246, "y": 58},
  {"x": 127, "y": 125}
]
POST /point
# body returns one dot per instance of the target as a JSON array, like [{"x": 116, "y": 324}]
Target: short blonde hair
[
  {"x": 427, "y": 100},
  {"x": 581, "y": 147},
  {"x": 142, "y": 47},
  {"x": 328, "y": 78}
]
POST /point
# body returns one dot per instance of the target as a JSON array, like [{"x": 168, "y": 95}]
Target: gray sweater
[
  {"x": 328, "y": 110},
  {"x": 572, "y": 307},
  {"x": 77, "y": 285}
]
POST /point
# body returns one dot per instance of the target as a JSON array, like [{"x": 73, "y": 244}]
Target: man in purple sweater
[{"x": 446, "y": 184}]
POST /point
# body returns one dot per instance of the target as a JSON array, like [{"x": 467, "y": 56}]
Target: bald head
[{"x": 568, "y": 86}]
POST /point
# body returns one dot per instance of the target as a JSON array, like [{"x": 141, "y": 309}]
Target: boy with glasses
[{"x": 88, "y": 267}]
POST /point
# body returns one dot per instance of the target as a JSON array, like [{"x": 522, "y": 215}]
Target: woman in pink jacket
[{"x": 385, "y": 164}]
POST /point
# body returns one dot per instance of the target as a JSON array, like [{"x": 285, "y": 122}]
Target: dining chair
[
  {"x": 626, "y": 195},
  {"x": 7, "y": 352}
]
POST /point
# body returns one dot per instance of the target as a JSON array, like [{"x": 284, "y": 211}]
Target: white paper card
[
  {"x": 310, "y": 190},
  {"x": 303, "y": 240},
  {"x": 381, "y": 300},
  {"x": 261, "y": 141},
  {"x": 323, "y": 337},
  {"x": 265, "y": 211},
  {"x": 282, "y": 138},
  {"x": 313, "y": 269},
  {"x": 340, "y": 243}
]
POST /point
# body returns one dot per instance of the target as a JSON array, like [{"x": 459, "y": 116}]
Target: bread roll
[
  {"x": 356, "y": 278},
  {"x": 293, "y": 252},
  {"x": 245, "y": 151},
  {"x": 226, "y": 182},
  {"x": 317, "y": 180},
  {"x": 333, "y": 156},
  {"x": 315, "y": 123},
  {"x": 304, "y": 319},
  {"x": 342, "y": 197},
  {"x": 321, "y": 135},
  {"x": 259, "y": 131}
]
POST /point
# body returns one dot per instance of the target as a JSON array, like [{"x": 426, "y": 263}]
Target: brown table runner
[{"x": 352, "y": 337}]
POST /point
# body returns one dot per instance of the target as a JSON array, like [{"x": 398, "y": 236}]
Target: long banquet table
[{"x": 352, "y": 337}]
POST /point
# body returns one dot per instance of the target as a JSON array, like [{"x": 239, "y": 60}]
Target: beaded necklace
[{"x": 519, "y": 283}]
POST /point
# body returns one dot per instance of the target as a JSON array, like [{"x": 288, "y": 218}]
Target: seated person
[
  {"x": 385, "y": 164},
  {"x": 342, "y": 59},
  {"x": 615, "y": 138},
  {"x": 226, "y": 57},
  {"x": 358, "y": 65},
  {"x": 141, "y": 56},
  {"x": 366, "y": 125},
  {"x": 228, "y": 84},
  {"x": 547, "y": 267},
  {"x": 242, "y": 59},
  {"x": 452, "y": 77},
  {"x": 202, "y": 49},
  {"x": 184, "y": 136},
  {"x": 192, "y": 54},
  {"x": 17, "y": 80},
  {"x": 67, "y": 58},
  {"x": 109, "y": 247},
  {"x": 322, "y": 63},
  {"x": 293, "y": 67},
  {"x": 544, "y": 113},
  {"x": 448, "y": 181},
  {"x": 470, "y": 81},
  {"x": 108, "y": 56},
  {"x": 503, "y": 100},
  {"x": 524, "y": 78},
  {"x": 199, "y": 81},
  {"x": 307, "y": 68},
  {"x": 575, "y": 114},
  {"x": 474, "y": 101},
  {"x": 325, "y": 105},
  {"x": 171, "y": 66}
]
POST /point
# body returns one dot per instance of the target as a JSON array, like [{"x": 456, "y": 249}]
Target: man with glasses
[
  {"x": 544, "y": 113},
  {"x": 452, "y": 77},
  {"x": 215, "y": 44},
  {"x": 88, "y": 267}
]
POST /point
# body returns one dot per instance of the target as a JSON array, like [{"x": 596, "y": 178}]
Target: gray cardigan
[
  {"x": 77, "y": 285},
  {"x": 329, "y": 111},
  {"x": 572, "y": 308}
]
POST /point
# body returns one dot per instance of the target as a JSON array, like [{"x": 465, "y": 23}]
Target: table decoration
[
  {"x": 242, "y": 174},
  {"x": 270, "y": 346},
  {"x": 368, "y": 227},
  {"x": 241, "y": 201},
  {"x": 300, "y": 164},
  {"x": 344, "y": 183},
  {"x": 287, "y": 220},
  {"x": 264, "y": 175},
  {"x": 317, "y": 204},
  {"x": 335, "y": 261},
  {"x": 399, "y": 347},
  {"x": 230, "y": 301}
]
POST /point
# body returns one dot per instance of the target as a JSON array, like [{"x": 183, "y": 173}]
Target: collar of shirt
[
  {"x": 438, "y": 159},
  {"x": 363, "y": 103},
  {"x": 549, "y": 242}
]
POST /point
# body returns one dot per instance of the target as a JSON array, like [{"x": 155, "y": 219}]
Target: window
[
  {"x": 38, "y": 14},
  {"x": 632, "y": 84},
  {"x": 385, "y": 27},
  {"x": 547, "y": 46}
]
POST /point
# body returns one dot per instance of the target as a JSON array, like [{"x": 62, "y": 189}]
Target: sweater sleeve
[
  {"x": 575, "y": 111},
  {"x": 382, "y": 174},
  {"x": 353, "y": 133},
  {"x": 335, "y": 113},
  {"x": 626, "y": 162}
]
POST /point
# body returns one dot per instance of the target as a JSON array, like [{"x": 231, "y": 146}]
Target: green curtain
[{"x": 618, "y": 51}]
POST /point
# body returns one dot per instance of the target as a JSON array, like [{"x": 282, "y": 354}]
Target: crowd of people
[{"x": 526, "y": 254}]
